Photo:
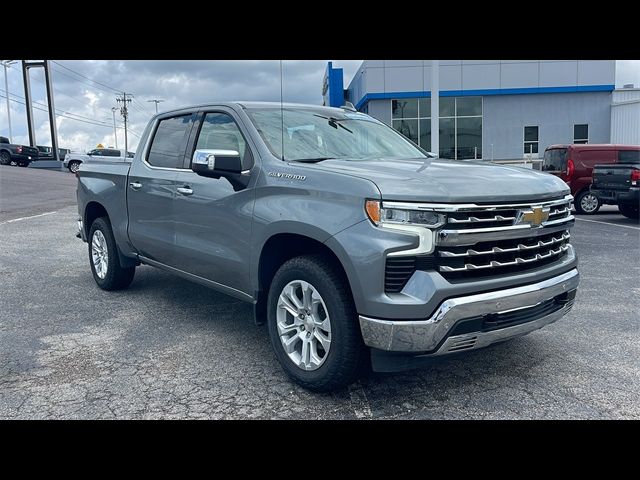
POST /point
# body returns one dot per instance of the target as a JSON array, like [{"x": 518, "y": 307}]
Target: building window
[
  {"x": 460, "y": 124},
  {"x": 530, "y": 140},
  {"x": 581, "y": 133}
]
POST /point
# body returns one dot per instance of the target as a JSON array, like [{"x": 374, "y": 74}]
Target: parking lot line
[
  {"x": 27, "y": 218},
  {"x": 608, "y": 223}
]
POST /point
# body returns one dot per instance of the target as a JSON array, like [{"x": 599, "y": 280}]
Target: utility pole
[
  {"x": 6, "y": 64},
  {"x": 156, "y": 101},
  {"x": 115, "y": 132},
  {"x": 125, "y": 113}
]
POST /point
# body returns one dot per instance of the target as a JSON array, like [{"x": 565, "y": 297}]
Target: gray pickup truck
[{"x": 353, "y": 244}]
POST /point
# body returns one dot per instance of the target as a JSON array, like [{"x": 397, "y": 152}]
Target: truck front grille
[
  {"x": 490, "y": 257},
  {"x": 486, "y": 240}
]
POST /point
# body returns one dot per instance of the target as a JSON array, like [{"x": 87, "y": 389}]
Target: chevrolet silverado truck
[
  {"x": 353, "y": 244},
  {"x": 619, "y": 183},
  {"x": 16, "y": 155}
]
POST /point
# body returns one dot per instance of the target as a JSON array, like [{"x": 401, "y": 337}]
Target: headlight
[
  {"x": 420, "y": 223},
  {"x": 386, "y": 216}
]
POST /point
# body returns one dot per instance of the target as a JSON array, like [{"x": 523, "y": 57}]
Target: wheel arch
[
  {"x": 94, "y": 210},
  {"x": 279, "y": 248}
]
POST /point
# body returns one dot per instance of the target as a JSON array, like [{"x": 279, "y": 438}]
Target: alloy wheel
[
  {"x": 304, "y": 326},
  {"x": 99, "y": 254}
]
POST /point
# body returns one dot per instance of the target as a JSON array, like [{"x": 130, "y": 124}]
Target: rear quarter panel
[{"x": 106, "y": 184}]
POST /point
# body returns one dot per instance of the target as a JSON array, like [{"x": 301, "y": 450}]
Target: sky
[{"x": 85, "y": 92}]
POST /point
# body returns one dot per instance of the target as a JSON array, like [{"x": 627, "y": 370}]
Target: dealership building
[{"x": 492, "y": 109}]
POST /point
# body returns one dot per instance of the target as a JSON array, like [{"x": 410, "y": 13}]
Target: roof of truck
[{"x": 252, "y": 104}]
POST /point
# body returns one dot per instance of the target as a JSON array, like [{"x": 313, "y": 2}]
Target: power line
[
  {"x": 57, "y": 110},
  {"x": 58, "y": 114},
  {"x": 84, "y": 76}
]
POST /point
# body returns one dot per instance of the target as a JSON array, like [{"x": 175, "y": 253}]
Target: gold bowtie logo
[{"x": 535, "y": 216}]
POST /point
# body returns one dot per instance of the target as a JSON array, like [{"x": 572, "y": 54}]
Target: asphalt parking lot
[{"x": 167, "y": 348}]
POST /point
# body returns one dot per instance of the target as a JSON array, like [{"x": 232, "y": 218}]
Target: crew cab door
[
  {"x": 151, "y": 188},
  {"x": 213, "y": 220}
]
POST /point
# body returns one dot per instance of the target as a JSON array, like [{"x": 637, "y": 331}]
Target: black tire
[
  {"x": 116, "y": 277},
  {"x": 73, "y": 165},
  {"x": 591, "y": 203},
  {"x": 346, "y": 356},
  {"x": 630, "y": 211},
  {"x": 5, "y": 158}
]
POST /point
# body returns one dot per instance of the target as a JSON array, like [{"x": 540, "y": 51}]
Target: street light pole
[
  {"x": 156, "y": 101},
  {"x": 5, "y": 64},
  {"x": 115, "y": 134}
]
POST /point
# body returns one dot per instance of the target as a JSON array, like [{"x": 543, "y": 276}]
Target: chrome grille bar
[
  {"x": 452, "y": 207},
  {"x": 495, "y": 263},
  {"x": 518, "y": 248},
  {"x": 496, "y": 218}
]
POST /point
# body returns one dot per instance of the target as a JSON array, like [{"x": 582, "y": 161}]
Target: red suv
[{"x": 574, "y": 164}]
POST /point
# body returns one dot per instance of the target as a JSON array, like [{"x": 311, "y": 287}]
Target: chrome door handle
[
  {"x": 135, "y": 185},
  {"x": 185, "y": 191}
]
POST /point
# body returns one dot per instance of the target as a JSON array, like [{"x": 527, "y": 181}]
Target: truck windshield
[
  {"x": 555, "y": 160},
  {"x": 315, "y": 135}
]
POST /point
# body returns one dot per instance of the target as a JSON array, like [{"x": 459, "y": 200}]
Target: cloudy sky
[{"x": 85, "y": 92}]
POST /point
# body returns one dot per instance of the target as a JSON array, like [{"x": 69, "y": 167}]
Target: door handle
[
  {"x": 185, "y": 190},
  {"x": 135, "y": 185}
]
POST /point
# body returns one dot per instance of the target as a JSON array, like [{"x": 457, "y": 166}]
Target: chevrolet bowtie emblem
[{"x": 534, "y": 217}]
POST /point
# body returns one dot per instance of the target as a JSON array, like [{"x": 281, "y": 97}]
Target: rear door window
[
  {"x": 555, "y": 160},
  {"x": 170, "y": 141}
]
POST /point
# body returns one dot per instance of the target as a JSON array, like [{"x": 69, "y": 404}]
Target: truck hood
[{"x": 451, "y": 181}]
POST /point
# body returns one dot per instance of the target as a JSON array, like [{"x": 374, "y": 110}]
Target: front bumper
[{"x": 520, "y": 310}]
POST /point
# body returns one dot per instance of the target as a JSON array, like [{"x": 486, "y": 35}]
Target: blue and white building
[{"x": 488, "y": 109}]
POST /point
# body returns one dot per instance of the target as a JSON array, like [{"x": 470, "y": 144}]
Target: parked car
[
  {"x": 16, "y": 155},
  {"x": 45, "y": 153},
  {"x": 574, "y": 164},
  {"x": 619, "y": 184},
  {"x": 351, "y": 242},
  {"x": 73, "y": 161}
]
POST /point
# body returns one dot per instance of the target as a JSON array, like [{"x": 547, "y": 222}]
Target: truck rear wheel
[
  {"x": 313, "y": 324},
  {"x": 104, "y": 260},
  {"x": 629, "y": 211}
]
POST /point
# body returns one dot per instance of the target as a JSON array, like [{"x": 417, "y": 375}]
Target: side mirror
[
  {"x": 216, "y": 163},
  {"x": 220, "y": 163}
]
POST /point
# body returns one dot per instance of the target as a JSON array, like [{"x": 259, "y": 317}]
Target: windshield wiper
[
  {"x": 334, "y": 122},
  {"x": 311, "y": 160}
]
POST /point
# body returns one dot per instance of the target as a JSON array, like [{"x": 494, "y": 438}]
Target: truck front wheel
[
  {"x": 313, "y": 324},
  {"x": 74, "y": 166},
  {"x": 103, "y": 258},
  {"x": 587, "y": 203}
]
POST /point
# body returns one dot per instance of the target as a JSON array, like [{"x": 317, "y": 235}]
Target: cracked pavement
[{"x": 167, "y": 348}]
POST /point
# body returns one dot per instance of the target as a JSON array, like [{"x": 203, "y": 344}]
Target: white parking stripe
[
  {"x": 27, "y": 218},
  {"x": 607, "y": 223}
]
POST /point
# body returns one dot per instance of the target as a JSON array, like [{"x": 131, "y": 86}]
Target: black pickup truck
[
  {"x": 619, "y": 183},
  {"x": 16, "y": 155}
]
